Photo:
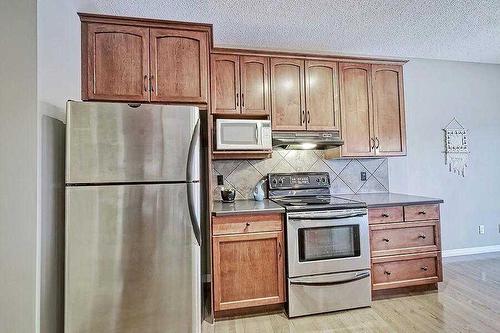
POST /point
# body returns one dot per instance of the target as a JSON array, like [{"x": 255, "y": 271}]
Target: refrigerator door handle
[
  {"x": 192, "y": 213},
  {"x": 195, "y": 139}
]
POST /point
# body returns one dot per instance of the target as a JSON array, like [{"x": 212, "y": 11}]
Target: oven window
[
  {"x": 239, "y": 133},
  {"x": 329, "y": 243}
]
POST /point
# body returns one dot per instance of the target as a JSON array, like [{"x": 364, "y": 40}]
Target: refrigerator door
[
  {"x": 116, "y": 143},
  {"x": 132, "y": 259}
]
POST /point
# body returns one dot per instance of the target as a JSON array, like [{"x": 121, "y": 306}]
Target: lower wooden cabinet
[
  {"x": 405, "y": 246},
  {"x": 248, "y": 267}
]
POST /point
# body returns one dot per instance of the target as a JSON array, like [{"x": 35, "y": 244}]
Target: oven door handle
[
  {"x": 325, "y": 215},
  {"x": 357, "y": 277}
]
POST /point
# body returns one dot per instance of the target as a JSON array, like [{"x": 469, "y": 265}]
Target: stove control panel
[{"x": 299, "y": 180}]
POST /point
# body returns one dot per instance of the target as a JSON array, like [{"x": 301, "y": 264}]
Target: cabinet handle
[
  {"x": 308, "y": 117},
  {"x": 387, "y": 273},
  {"x": 385, "y": 240},
  {"x": 422, "y": 236},
  {"x": 279, "y": 249},
  {"x": 237, "y": 100},
  {"x": 425, "y": 268},
  {"x": 145, "y": 83},
  {"x": 372, "y": 146},
  {"x": 242, "y": 99},
  {"x": 303, "y": 117},
  {"x": 422, "y": 213},
  {"x": 378, "y": 143},
  {"x": 385, "y": 215},
  {"x": 151, "y": 83}
]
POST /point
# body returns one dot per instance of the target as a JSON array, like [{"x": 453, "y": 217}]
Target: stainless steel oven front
[{"x": 325, "y": 242}]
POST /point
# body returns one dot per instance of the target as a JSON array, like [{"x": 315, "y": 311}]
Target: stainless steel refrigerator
[{"x": 132, "y": 218}]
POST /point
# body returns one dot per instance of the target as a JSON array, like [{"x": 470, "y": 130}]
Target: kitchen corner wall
[{"x": 345, "y": 174}]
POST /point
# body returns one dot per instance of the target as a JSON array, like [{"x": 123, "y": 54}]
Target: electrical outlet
[
  {"x": 363, "y": 176},
  {"x": 481, "y": 229}
]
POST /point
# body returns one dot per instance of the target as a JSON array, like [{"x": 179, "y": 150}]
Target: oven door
[
  {"x": 239, "y": 134},
  {"x": 327, "y": 242}
]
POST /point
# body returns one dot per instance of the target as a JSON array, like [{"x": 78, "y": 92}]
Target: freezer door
[
  {"x": 116, "y": 143},
  {"x": 132, "y": 260}
]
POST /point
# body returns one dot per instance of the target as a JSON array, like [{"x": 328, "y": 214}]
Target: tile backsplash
[{"x": 345, "y": 174}]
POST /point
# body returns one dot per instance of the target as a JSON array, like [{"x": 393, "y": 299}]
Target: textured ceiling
[{"x": 465, "y": 30}]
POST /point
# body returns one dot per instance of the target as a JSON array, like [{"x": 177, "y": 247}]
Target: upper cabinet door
[
  {"x": 388, "y": 110},
  {"x": 356, "y": 109},
  {"x": 115, "y": 63},
  {"x": 287, "y": 86},
  {"x": 255, "y": 85},
  {"x": 322, "y": 95},
  {"x": 225, "y": 84},
  {"x": 179, "y": 65}
]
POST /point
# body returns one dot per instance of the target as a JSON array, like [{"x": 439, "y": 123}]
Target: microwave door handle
[{"x": 330, "y": 283}]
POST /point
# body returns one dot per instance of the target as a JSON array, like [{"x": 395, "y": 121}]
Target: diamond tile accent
[
  {"x": 301, "y": 160},
  {"x": 345, "y": 176},
  {"x": 265, "y": 166},
  {"x": 337, "y": 165},
  {"x": 339, "y": 187},
  {"x": 225, "y": 167},
  {"x": 244, "y": 178},
  {"x": 372, "y": 185},
  {"x": 351, "y": 175},
  {"x": 320, "y": 166},
  {"x": 283, "y": 167},
  {"x": 382, "y": 174},
  {"x": 371, "y": 164}
]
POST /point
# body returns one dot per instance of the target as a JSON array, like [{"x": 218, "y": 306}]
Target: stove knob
[
  {"x": 274, "y": 181},
  {"x": 280, "y": 181},
  {"x": 317, "y": 180},
  {"x": 323, "y": 180}
]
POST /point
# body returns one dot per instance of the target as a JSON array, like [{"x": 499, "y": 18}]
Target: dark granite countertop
[
  {"x": 246, "y": 207},
  {"x": 390, "y": 199}
]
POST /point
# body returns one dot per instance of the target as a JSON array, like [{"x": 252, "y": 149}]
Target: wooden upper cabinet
[
  {"x": 225, "y": 84},
  {"x": 144, "y": 60},
  {"x": 179, "y": 65},
  {"x": 388, "y": 110},
  {"x": 322, "y": 95},
  {"x": 288, "y": 94},
  {"x": 356, "y": 109},
  {"x": 240, "y": 84},
  {"x": 115, "y": 62},
  {"x": 255, "y": 85}
]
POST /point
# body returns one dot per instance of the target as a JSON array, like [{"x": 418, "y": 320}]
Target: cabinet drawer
[
  {"x": 240, "y": 224},
  {"x": 404, "y": 238},
  {"x": 385, "y": 215},
  {"x": 421, "y": 212},
  {"x": 406, "y": 270}
]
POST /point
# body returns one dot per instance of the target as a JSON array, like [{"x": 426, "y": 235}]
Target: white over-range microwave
[{"x": 243, "y": 134}]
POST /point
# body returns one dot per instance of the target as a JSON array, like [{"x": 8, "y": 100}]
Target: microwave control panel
[{"x": 266, "y": 135}]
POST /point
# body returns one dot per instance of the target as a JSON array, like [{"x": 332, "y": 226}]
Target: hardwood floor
[{"x": 468, "y": 301}]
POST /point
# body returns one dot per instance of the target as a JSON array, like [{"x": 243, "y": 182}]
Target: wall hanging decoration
[{"x": 456, "y": 151}]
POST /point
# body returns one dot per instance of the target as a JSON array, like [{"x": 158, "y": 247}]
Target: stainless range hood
[{"x": 307, "y": 140}]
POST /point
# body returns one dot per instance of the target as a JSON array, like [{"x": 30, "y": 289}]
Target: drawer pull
[
  {"x": 385, "y": 215},
  {"x": 387, "y": 273},
  {"x": 247, "y": 225},
  {"x": 422, "y": 213},
  {"x": 422, "y": 236},
  {"x": 425, "y": 268},
  {"x": 385, "y": 240}
]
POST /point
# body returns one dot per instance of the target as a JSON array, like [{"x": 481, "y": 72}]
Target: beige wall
[
  {"x": 436, "y": 91},
  {"x": 18, "y": 167}
]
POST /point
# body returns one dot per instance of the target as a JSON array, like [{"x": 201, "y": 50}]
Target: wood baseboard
[
  {"x": 405, "y": 291},
  {"x": 249, "y": 312}
]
